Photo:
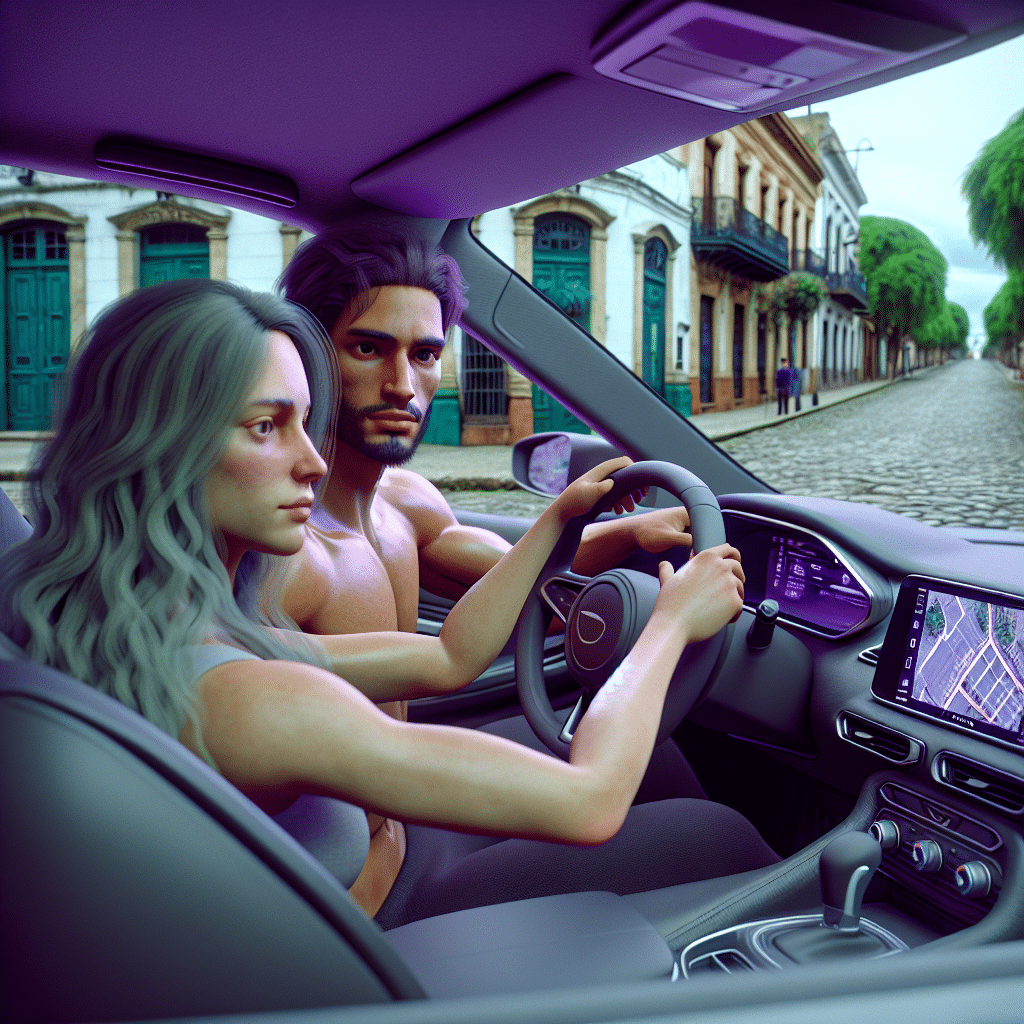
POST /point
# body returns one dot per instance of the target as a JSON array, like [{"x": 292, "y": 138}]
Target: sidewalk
[{"x": 489, "y": 467}]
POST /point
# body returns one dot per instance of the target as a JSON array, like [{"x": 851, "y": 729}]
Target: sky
[{"x": 926, "y": 129}]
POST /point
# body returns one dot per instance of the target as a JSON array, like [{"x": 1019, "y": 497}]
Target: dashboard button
[
  {"x": 974, "y": 879},
  {"x": 927, "y": 856},
  {"x": 886, "y": 833}
]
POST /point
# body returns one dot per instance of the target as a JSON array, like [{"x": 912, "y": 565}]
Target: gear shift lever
[{"x": 846, "y": 866}]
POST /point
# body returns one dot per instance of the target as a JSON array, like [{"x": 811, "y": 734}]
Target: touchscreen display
[{"x": 959, "y": 658}]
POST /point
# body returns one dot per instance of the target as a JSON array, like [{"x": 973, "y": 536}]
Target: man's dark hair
[{"x": 328, "y": 271}]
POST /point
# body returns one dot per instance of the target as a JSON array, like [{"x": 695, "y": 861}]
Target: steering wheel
[{"x": 605, "y": 614}]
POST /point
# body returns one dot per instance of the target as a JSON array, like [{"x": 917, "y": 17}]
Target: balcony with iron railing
[
  {"x": 737, "y": 240},
  {"x": 845, "y": 286},
  {"x": 810, "y": 261},
  {"x": 849, "y": 288}
]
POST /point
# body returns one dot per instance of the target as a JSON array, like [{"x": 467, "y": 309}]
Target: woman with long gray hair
[{"x": 188, "y": 451}]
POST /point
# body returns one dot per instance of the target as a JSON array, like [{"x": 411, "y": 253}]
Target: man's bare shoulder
[
  {"x": 418, "y": 501},
  {"x": 304, "y": 579}
]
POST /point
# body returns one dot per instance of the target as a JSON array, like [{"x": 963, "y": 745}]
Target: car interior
[{"x": 140, "y": 885}]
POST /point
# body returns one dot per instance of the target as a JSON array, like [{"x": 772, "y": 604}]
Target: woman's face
[{"x": 260, "y": 493}]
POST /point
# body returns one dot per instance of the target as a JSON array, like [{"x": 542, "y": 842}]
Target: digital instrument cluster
[{"x": 817, "y": 587}]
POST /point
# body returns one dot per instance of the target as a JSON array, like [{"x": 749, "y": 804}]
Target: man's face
[{"x": 390, "y": 359}]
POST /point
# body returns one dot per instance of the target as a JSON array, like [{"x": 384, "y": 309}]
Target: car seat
[{"x": 139, "y": 884}]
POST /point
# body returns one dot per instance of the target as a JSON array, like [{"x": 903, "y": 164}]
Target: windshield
[
  {"x": 742, "y": 278},
  {"x": 733, "y": 274}
]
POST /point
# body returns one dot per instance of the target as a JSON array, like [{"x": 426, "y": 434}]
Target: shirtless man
[{"x": 380, "y": 530}]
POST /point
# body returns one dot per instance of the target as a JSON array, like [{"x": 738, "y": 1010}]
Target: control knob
[
  {"x": 927, "y": 856},
  {"x": 886, "y": 833},
  {"x": 974, "y": 879}
]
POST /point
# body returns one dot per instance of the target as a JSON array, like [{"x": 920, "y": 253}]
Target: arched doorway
[
  {"x": 561, "y": 270},
  {"x": 37, "y": 320},
  {"x": 169, "y": 252},
  {"x": 653, "y": 347}
]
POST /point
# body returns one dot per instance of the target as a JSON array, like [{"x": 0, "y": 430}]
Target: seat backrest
[{"x": 139, "y": 884}]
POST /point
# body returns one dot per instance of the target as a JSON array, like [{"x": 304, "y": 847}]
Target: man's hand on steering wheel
[{"x": 586, "y": 491}]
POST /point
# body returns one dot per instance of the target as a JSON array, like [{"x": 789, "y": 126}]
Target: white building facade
[
  {"x": 844, "y": 351},
  {"x": 613, "y": 252},
  {"x": 70, "y": 247}
]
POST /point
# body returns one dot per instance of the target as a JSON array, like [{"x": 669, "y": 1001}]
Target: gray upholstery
[{"x": 139, "y": 884}]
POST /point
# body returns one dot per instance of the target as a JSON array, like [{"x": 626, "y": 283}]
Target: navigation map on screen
[{"x": 966, "y": 657}]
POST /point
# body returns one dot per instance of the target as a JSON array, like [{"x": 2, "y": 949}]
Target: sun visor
[{"x": 738, "y": 60}]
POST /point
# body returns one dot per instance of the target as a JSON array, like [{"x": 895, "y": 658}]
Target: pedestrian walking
[{"x": 782, "y": 385}]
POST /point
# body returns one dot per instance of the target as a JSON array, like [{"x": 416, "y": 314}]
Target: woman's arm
[
  {"x": 277, "y": 729},
  {"x": 398, "y": 666}
]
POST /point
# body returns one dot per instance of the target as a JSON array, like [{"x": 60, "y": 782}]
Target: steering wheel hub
[
  {"x": 604, "y": 616},
  {"x": 603, "y": 625}
]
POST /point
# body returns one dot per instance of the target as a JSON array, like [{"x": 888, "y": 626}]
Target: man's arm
[
  {"x": 453, "y": 556},
  {"x": 398, "y": 666}
]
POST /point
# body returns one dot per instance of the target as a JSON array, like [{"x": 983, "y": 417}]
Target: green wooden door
[
  {"x": 169, "y": 252},
  {"x": 652, "y": 364},
  {"x": 37, "y": 323},
  {"x": 561, "y": 270}
]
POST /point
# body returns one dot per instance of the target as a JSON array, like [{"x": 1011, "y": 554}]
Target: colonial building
[
  {"x": 755, "y": 191},
  {"x": 842, "y": 355},
  {"x": 72, "y": 246},
  {"x": 613, "y": 253}
]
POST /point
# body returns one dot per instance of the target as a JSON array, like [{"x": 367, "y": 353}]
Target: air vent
[
  {"x": 893, "y": 746},
  {"x": 727, "y": 961},
  {"x": 979, "y": 781}
]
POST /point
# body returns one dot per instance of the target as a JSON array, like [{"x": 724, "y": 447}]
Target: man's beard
[{"x": 393, "y": 452}]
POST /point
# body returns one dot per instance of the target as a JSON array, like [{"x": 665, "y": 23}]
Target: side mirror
[{"x": 546, "y": 463}]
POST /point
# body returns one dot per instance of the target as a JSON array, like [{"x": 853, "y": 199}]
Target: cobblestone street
[{"x": 945, "y": 447}]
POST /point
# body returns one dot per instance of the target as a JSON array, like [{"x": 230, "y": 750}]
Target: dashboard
[
  {"x": 914, "y": 694},
  {"x": 817, "y": 587}
]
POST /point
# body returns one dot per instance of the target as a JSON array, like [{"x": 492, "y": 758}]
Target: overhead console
[{"x": 741, "y": 60}]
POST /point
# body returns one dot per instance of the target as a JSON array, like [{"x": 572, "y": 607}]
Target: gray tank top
[{"x": 334, "y": 832}]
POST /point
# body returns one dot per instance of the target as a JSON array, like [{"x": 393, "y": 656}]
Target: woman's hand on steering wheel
[{"x": 705, "y": 594}]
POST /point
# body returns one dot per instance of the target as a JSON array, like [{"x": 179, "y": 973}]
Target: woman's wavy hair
[
  {"x": 340, "y": 264},
  {"x": 123, "y": 573}
]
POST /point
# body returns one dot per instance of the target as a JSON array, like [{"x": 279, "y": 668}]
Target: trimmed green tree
[
  {"x": 1004, "y": 320},
  {"x": 945, "y": 332},
  {"x": 906, "y": 278},
  {"x": 963, "y": 326},
  {"x": 994, "y": 189}
]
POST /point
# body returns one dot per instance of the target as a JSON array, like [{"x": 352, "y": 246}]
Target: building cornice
[
  {"x": 784, "y": 131},
  {"x": 623, "y": 183}
]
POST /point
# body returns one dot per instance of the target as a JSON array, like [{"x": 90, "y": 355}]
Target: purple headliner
[{"x": 325, "y": 92}]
